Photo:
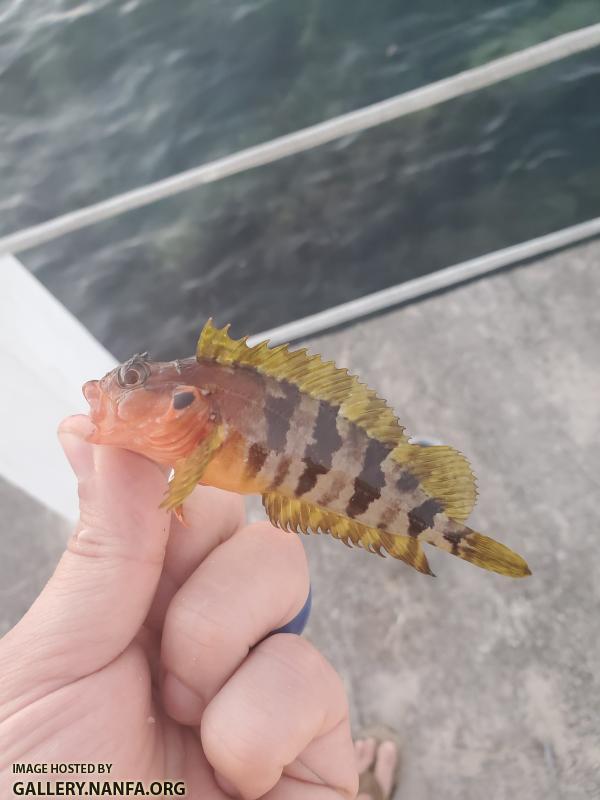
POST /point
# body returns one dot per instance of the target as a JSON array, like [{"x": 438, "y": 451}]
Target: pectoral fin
[
  {"x": 291, "y": 514},
  {"x": 189, "y": 471}
]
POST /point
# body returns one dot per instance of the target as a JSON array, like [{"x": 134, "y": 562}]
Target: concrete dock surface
[{"x": 492, "y": 684}]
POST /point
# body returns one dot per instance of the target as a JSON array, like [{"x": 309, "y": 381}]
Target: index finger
[{"x": 212, "y": 516}]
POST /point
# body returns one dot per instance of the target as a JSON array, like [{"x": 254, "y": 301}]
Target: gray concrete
[
  {"x": 33, "y": 538},
  {"x": 492, "y": 684}
]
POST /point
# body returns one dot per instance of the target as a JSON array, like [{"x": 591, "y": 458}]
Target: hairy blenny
[{"x": 322, "y": 449}]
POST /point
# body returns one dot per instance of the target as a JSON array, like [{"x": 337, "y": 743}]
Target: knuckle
[
  {"x": 235, "y": 751},
  {"x": 300, "y": 659},
  {"x": 218, "y": 735},
  {"x": 100, "y": 533},
  {"x": 307, "y": 668},
  {"x": 194, "y": 622}
]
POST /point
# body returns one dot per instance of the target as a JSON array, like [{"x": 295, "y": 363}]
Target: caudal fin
[{"x": 480, "y": 550}]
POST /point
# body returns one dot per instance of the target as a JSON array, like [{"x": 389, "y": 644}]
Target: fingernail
[
  {"x": 182, "y": 703},
  {"x": 79, "y": 453}
]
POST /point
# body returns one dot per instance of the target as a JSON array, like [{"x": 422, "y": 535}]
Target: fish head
[{"x": 146, "y": 406}]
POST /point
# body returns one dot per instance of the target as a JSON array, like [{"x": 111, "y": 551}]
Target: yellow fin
[
  {"x": 319, "y": 379},
  {"x": 444, "y": 473},
  {"x": 494, "y": 556},
  {"x": 189, "y": 470},
  {"x": 478, "y": 549},
  {"x": 294, "y": 515}
]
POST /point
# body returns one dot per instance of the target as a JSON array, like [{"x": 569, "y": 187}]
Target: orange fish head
[{"x": 146, "y": 407}]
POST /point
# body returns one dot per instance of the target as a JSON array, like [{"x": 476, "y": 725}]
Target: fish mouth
[
  {"x": 93, "y": 394},
  {"x": 97, "y": 402}
]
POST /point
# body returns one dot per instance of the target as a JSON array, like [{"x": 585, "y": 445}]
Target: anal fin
[{"x": 296, "y": 515}]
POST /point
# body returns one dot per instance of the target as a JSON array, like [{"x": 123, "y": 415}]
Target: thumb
[{"x": 101, "y": 591}]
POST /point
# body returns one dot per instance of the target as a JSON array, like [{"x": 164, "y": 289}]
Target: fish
[{"x": 324, "y": 451}]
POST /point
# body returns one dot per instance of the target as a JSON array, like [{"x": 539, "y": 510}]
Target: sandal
[{"x": 369, "y": 785}]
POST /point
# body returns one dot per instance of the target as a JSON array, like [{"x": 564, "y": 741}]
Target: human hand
[{"x": 145, "y": 649}]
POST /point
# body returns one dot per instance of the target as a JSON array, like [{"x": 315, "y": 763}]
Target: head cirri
[{"x": 146, "y": 406}]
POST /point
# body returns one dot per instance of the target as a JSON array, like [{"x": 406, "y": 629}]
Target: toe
[
  {"x": 385, "y": 766},
  {"x": 370, "y": 747},
  {"x": 363, "y": 759}
]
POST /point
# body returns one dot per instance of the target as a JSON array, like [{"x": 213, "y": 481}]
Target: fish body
[{"x": 323, "y": 450}]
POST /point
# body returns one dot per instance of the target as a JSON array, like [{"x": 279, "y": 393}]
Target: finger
[
  {"x": 280, "y": 728},
  {"x": 212, "y": 516},
  {"x": 101, "y": 591},
  {"x": 250, "y": 585}
]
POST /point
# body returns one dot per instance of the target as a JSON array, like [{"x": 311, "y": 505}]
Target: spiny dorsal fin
[
  {"x": 320, "y": 379},
  {"x": 444, "y": 473},
  {"x": 294, "y": 515}
]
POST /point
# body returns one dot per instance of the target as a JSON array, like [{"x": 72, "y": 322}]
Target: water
[{"x": 103, "y": 96}]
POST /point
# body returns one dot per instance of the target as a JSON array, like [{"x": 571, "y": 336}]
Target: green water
[{"x": 100, "y": 97}]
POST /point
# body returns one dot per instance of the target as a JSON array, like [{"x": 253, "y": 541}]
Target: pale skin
[
  {"x": 381, "y": 757},
  {"x": 145, "y": 649}
]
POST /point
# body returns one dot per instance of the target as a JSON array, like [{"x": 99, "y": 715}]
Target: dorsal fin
[
  {"x": 297, "y": 515},
  {"x": 320, "y": 379},
  {"x": 444, "y": 473}
]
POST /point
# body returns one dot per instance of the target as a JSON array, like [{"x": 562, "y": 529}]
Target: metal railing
[
  {"x": 426, "y": 284},
  {"x": 441, "y": 91},
  {"x": 33, "y": 323}
]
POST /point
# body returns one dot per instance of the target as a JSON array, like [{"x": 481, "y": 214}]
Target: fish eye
[{"x": 133, "y": 373}]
